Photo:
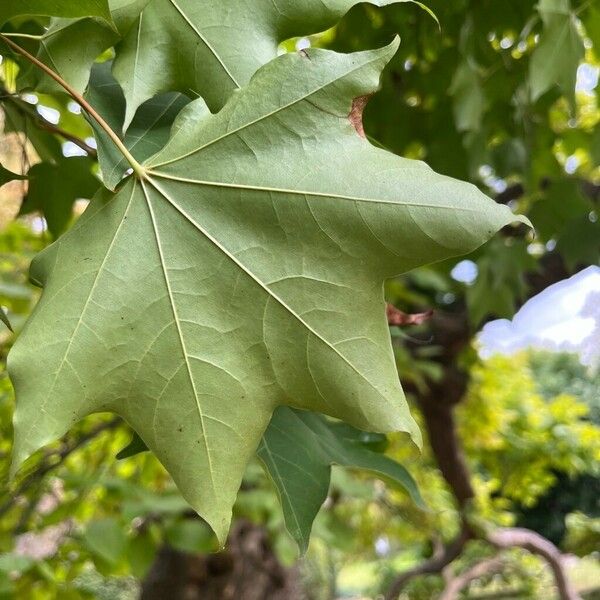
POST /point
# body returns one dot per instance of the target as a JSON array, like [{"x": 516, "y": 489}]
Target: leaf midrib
[
  {"x": 330, "y": 195},
  {"x": 181, "y": 338}
]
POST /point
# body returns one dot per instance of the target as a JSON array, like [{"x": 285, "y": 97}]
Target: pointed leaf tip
[
  {"x": 4, "y": 318},
  {"x": 298, "y": 450}
]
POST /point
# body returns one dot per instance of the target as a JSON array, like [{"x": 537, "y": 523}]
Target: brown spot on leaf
[
  {"x": 399, "y": 318},
  {"x": 356, "y": 113}
]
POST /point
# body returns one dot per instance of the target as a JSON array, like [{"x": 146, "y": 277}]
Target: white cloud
[
  {"x": 587, "y": 78},
  {"x": 465, "y": 271},
  {"x": 564, "y": 317}
]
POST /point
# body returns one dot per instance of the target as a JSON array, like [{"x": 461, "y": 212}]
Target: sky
[{"x": 564, "y": 317}]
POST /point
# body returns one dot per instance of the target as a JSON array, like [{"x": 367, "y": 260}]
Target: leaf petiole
[
  {"x": 85, "y": 105},
  {"x": 27, "y": 36}
]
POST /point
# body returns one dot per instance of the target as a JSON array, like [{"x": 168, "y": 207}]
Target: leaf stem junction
[{"x": 138, "y": 169}]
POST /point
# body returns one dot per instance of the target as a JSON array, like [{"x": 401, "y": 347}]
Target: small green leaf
[
  {"x": 578, "y": 243},
  {"x": 560, "y": 49},
  {"x": 500, "y": 280},
  {"x": 4, "y": 319},
  {"x": 148, "y": 132},
  {"x": 560, "y": 203},
  {"x": 298, "y": 450},
  {"x": 54, "y": 188},
  {"x": 136, "y": 446},
  {"x": 106, "y": 539},
  {"x": 468, "y": 97}
]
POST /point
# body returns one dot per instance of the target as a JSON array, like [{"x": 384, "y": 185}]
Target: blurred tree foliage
[{"x": 488, "y": 96}]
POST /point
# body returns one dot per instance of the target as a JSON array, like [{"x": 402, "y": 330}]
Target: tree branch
[
  {"x": 437, "y": 405},
  {"x": 439, "y": 561},
  {"x": 459, "y": 583},
  {"x": 514, "y": 537},
  {"x": 444, "y": 440},
  {"x": 44, "y": 125}
]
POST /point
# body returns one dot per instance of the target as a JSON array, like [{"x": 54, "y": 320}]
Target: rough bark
[
  {"x": 443, "y": 438},
  {"x": 247, "y": 570}
]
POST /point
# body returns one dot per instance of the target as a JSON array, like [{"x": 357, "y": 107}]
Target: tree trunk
[
  {"x": 451, "y": 333},
  {"x": 247, "y": 570}
]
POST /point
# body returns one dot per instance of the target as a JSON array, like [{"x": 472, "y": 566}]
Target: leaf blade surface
[
  {"x": 298, "y": 450},
  {"x": 243, "y": 273}
]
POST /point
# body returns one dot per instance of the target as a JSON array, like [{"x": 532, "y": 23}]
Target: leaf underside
[
  {"x": 298, "y": 450},
  {"x": 244, "y": 272},
  {"x": 10, "y": 9},
  {"x": 164, "y": 41}
]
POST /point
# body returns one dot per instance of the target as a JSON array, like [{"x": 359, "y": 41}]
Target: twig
[
  {"x": 41, "y": 123},
  {"x": 459, "y": 583},
  {"x": 53, "y": 461},
  {"x": 440, "y": 560},
  {"x": 137, "y": 168}
]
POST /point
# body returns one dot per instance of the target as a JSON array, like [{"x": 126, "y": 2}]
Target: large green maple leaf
[
  {"x": 209, "y": 47},
  {"x": 240, "y": 270}
]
